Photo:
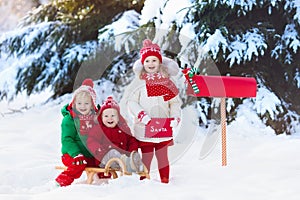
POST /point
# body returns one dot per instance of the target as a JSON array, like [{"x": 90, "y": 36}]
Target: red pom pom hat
[
  {"x": 150, "y": 49},
  {"x": 109, "y": 103}
]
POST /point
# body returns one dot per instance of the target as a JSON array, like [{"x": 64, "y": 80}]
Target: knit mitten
[
  {"x": 79, "y": 160},
  {"x": 174, "y": 123},
  {"x": 144, "y": 118}
]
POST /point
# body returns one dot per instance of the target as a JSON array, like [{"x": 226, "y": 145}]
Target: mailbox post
[{"x": 222, "y": 87}]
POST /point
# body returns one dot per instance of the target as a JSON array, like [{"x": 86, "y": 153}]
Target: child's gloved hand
[
  {"x": 79, "y": 160},
  {"x": 144, "y": 118},
  {"x": 174, "y": 123}
]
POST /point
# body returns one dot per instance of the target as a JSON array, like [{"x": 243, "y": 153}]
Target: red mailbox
[{"x": 220, "y": 86}]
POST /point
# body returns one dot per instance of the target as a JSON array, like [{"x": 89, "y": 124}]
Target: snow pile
[{"x": 261, "y": 165}]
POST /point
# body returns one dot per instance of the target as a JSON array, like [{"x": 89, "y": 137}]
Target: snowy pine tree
[
  {"x": 55, "y": 39},
  {"x": 258, "y": 39},
  {"x": 243, "y": 38}
]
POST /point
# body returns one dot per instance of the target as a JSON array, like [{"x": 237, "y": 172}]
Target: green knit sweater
[{"x": 72, "y": 142}]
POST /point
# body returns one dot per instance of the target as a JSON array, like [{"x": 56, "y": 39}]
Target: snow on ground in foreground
[{"x": 261, "y": 166}]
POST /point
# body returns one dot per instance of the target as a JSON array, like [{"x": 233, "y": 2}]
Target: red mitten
[
  {"x": 174, "y": 123},
  {"x": 79, "y": 160},
  {"x": 144, "y": 118}
]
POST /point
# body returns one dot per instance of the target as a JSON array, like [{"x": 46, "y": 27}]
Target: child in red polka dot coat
[
  {"x": 153, "y": 95},
  {"x": 113, "y": 139}
]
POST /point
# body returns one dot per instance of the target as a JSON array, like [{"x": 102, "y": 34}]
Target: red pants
[
  {"x": 161, "y": 153},
  {"x": 73, "y": 171}
]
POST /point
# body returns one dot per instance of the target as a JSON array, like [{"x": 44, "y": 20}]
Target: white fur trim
[{"x": 171, "y": 65}]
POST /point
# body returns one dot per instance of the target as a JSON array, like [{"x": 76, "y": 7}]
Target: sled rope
[{"x": 223, "y": 124}]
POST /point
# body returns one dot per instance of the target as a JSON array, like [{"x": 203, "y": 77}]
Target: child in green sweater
[{"x": 79, "y": 117}]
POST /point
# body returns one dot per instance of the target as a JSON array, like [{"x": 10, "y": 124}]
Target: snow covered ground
[{"x": 261, "y": 166}]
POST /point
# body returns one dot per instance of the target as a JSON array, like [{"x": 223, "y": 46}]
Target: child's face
[
  {"x": 110, "y": 117},
  {"x": 151, "y": 64},
  {"x": 83, "y": 103}
]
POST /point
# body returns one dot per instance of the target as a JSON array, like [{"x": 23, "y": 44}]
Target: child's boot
[
  {"x": 136, "y": 163},
  {"x": 133, "y": 163},
  {"x": 125, "y": 159}
]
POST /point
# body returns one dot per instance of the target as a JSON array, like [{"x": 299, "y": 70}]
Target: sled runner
[{"x": 91, "y": 171}]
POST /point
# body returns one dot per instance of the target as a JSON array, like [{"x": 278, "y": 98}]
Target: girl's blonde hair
[{"x": 82, "y": 94}]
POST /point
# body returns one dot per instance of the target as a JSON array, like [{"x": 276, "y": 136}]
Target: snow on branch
[
  {"x": 245, "y": 5},
  {"x": 33, "y": 39},
  {"x": 79, "y": 52},
  {"x": 129, "y": 21},
  {"x": 244, "y": 47},
  {"x": 291, "y": 37},
  {"x": 291, "y": 6},
  {"x": 289, "y": 40},
  {"x": 214, "y": 43},
  {"x": 297, "y": 78},
  {"x": 267, "y": 102}
]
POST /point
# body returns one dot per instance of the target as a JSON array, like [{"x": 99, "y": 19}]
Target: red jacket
[{"x": 101, "y": 139}]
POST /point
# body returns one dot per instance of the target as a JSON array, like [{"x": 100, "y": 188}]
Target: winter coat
[
  {"x": 135, "y": 100},
  {"x": 102, "y": 139},
  {"x": 73, "y": 142}
]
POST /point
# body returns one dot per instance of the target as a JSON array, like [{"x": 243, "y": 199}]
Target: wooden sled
[{"x": 91, "y": 171}]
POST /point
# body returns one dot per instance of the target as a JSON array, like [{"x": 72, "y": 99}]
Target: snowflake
[
  {"x": 150, "y": 76},
  {"x": 159, "y": 75}
]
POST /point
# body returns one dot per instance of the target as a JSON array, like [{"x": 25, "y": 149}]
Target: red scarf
[
  {"x": 158, "y": 85},
  {"x": 86, "y": 123}
]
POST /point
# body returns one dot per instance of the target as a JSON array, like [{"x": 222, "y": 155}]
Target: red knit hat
[
  {"x": 150, "y": 49},
  {"x": 86, "y": 86},
  {"x": 109, "y": 103}
]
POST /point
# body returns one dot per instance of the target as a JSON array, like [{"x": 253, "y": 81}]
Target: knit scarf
[
  {"x": 158, "y": 85},
  {"x": 87, "y": 122}
]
